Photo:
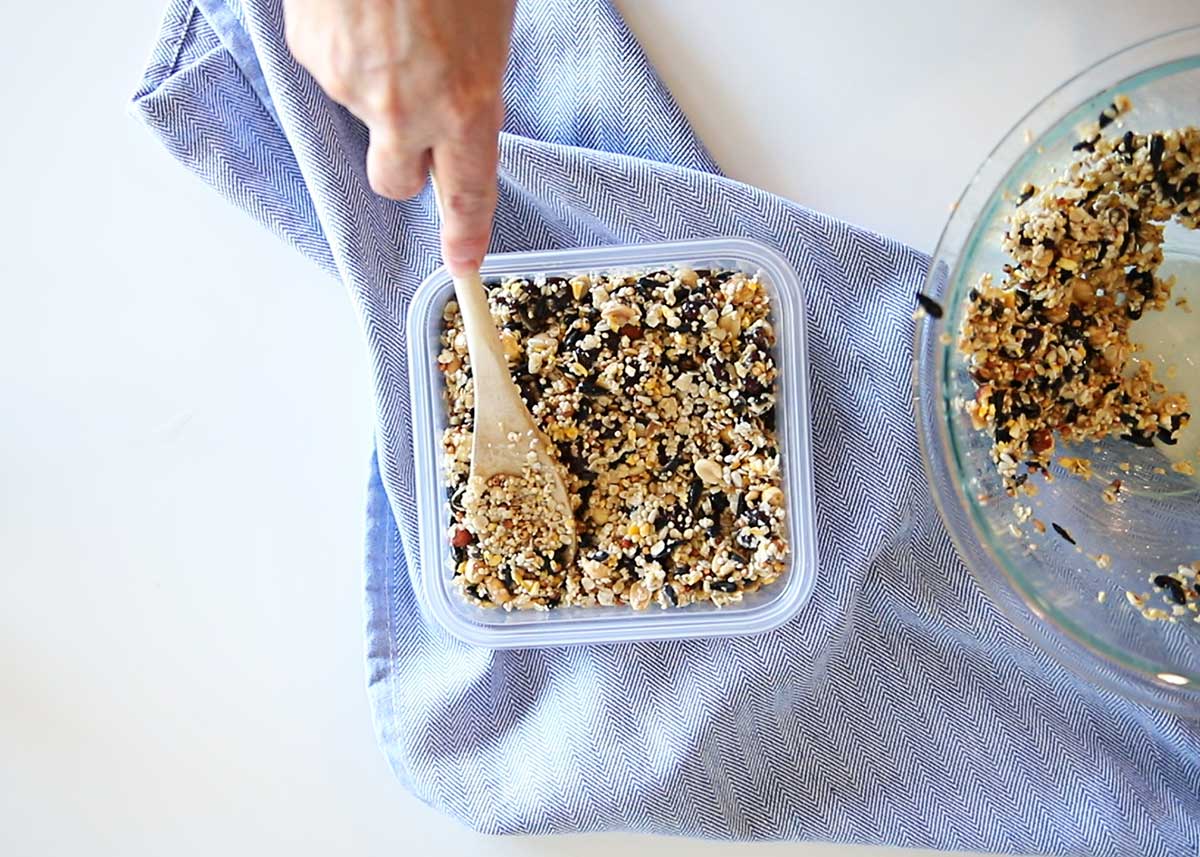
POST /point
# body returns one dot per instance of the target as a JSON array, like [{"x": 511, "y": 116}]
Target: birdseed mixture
[
  {"x": 657, "y": 391},
  {"x": 512, "y": 517},
  {"x": 1049, "y": 346}
]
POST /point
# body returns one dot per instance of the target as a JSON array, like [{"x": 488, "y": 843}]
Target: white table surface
[{"x": 185, "y": 415}]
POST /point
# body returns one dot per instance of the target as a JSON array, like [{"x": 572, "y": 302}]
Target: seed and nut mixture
[
  {"x": 1049, "y": 347},
  {"x": 657, "y": 392},
  {"x": 512, "y": 518}
]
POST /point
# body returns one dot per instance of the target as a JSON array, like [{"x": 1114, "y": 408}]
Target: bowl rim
[{"x": 1047, "y": 118}]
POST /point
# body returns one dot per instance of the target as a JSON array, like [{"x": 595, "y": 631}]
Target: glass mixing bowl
[{"x": 1048, "y": 587}]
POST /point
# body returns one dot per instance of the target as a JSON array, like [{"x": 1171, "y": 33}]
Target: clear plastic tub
[{"x": 760, "y": 611}]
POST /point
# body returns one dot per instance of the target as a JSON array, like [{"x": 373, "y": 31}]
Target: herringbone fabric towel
[{"x": 898, "y": 707}]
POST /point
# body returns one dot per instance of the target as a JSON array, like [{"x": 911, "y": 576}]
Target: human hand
[{"x": 425, "y": 77}]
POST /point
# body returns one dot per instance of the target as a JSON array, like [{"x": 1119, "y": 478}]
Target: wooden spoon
[{"x": 504, "y": 433}]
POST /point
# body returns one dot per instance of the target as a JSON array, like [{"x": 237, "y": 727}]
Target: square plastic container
[{"x": 494, "y": 628}]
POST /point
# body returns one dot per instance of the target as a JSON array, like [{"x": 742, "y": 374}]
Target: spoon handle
[{"x": 499, "y": 408}]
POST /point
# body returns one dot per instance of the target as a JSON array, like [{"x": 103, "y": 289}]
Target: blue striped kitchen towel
[{"x": 899, "y": 707}]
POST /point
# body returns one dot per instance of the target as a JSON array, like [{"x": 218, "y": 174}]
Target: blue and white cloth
[{"x": 899, "y": 707}]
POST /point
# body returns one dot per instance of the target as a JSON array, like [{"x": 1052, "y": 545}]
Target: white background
[{"x": 185, "y": 416}]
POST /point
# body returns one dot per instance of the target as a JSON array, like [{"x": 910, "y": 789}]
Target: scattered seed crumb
[
  {"x": 1028, "y": 135},
  {"x": 1039, "y": 526},
  {"x": 1102, "y": 596},
  {"x": 1022, "y": 513},
  {"x": 1159, "y": 471},
  {"x": 1184, "y": 467},
  {"x": 1102, "y": 560},
  {"x": 1077, "y": 466},
  {"x": 1112, "y": 492},
  {"x": 1180, "y": 592},
  {"x": 1124, "y": 467}
]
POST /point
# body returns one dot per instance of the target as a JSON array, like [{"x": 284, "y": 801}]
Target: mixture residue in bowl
[
  {"x": 657, "y": 393},
  {"x": 1049, "y": 346}
]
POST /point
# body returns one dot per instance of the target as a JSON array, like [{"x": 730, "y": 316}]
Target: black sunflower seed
[
  {"x": 1138, "y": 439},
  {"x": 590, "y": 388},
  {"x": 1063, "y": 532},
  {"x": 1157, "y": 143},
  {"x": 931, "y": 307},
  {"x": 1164, "y": 581},
  {"x": 745, "y": 539},
  {"x": 1167, "y": 437}
]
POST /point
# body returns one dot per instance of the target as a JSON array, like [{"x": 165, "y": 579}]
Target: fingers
[
  {"x": 466, "y": 172},
  {"x": 396, "y": 168},
  {"x": 400, "y": 67}
]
